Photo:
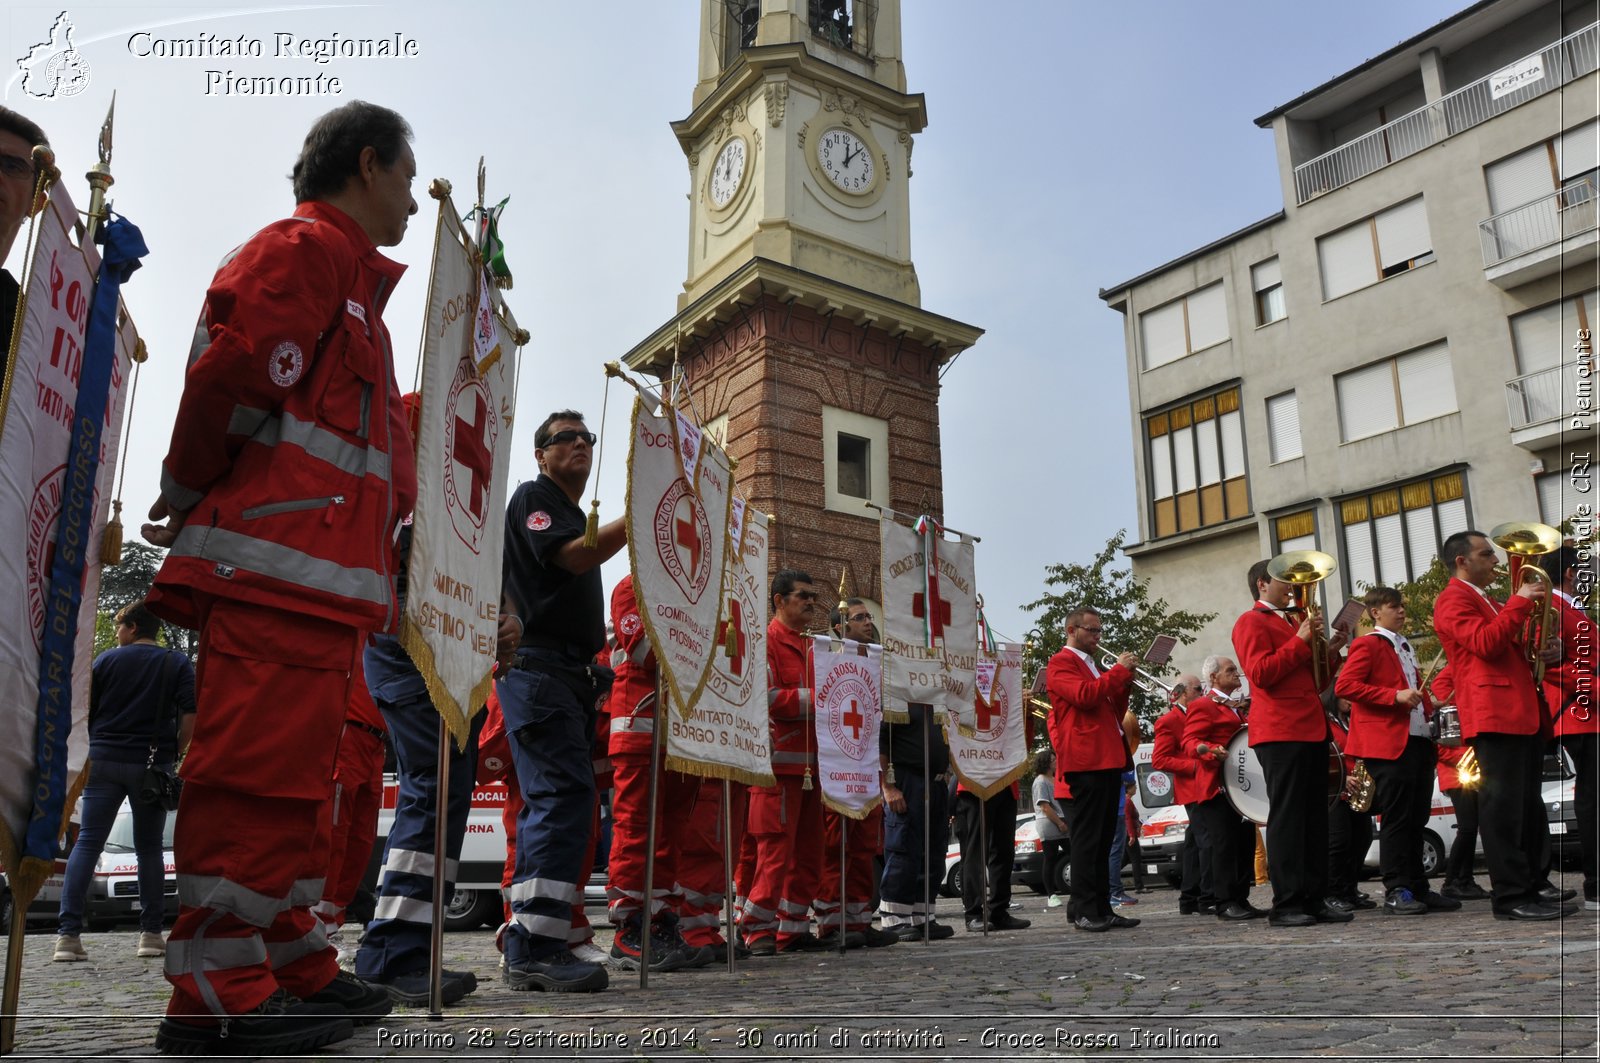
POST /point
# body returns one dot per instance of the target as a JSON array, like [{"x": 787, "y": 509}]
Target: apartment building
[{"x": 1390, "y": 357}]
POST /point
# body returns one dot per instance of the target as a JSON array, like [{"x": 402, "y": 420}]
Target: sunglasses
[
  {"x": 567, "y": 436},
  {"x": 15, "y": 165},
  {"x": 860, "y": 618}
]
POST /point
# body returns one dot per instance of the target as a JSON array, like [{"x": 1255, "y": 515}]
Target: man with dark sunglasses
[
  {"x": 18, "y": 181},
  {"x": 548, "y": 696}
]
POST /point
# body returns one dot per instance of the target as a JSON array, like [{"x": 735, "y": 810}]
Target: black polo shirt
[{"x": 558, "y": 608}]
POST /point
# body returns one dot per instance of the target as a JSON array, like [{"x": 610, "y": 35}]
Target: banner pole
[
  {"x": 646, "y": 916},
  {"x": 13, "y": 988},
  {"x": 844, "y": 901},
  {"x": 440, "y": 856},
  {"x": 983, "y": 853},
  {"x": 927, "y": 829},
  {"x": 732, "y": 936}
]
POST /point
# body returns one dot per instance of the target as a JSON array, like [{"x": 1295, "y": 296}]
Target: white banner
[
  {"x": 34, "y": 437},
  {"x": 1509, "y": 79},
  {"x": 995, "y": 752},
  {"x": 469, "y": 359},
  {"x": 726, "y": 734},
  {"x": 847, "y": 701},
  {"x": 930, "y": 626},
  {"x": 677, "y": 542}
]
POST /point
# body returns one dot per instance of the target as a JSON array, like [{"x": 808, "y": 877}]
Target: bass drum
[{"x": 1245, "y": 784}]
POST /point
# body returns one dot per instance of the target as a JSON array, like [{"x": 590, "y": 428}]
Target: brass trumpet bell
[
  {"x": 1525, "y": 538},
  {"x": 1300, "y": 567}
]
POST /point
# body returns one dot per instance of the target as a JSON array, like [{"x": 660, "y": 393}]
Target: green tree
[
  {"x": 1132, "y": 619},
  {"x": 128, "y": 582}
]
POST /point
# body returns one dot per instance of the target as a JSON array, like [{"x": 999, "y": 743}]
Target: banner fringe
[
  {"x": 712, "y": 770},
  {"x": 416, "y": 645},
  {"x": 852, "y": 813}
]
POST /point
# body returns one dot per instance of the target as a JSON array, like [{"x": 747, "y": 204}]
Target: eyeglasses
[
  {"x": 15, "y": 165},
  {"x": 567, "y": 436},
  {"x": 1092, "y": 630},
  {"x": 860, "y": 618}
]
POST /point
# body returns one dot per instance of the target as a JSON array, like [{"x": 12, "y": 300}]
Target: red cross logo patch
[
  {"x": 538, "y": 521},
  {"x": 286, "y": 364}
]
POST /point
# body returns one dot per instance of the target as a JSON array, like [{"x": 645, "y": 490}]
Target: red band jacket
[
  {"x": 1285, "y": 705},
  {"x": 1570, "y": 688},
  {"x": 789, "y": 699},
  {"x": 1167, "y": 754},
  {"x": 1493, "y": 682},
  {"x": 1369, "y": 680},
  {"x": 1086, "y": 715},
  {"x": 632, "y": 704},
  {"x": 1211, "y": 723}
]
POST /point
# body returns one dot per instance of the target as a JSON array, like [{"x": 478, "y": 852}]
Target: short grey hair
[{"x": 1210, "y": 668}]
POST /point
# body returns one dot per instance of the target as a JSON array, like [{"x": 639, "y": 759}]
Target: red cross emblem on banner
[
  {"x": 688, "y": 536},
  {"x": 736, "y": 618},
  {"x": 471, "y": 449},
  {"x": 985, "y": 713},
  {"x": 853, "y": 719},
  {"x": 941, "y": 613}
]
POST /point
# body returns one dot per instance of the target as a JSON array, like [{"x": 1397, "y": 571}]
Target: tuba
[
  {"x": 1522, "y": 541},
  {"x": 1303, "y": 570}
]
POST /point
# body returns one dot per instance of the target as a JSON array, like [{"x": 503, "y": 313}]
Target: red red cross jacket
[
  {"x": 290, "y": 448},
  {"x": 1210, "y": 722},
  {"x": 789, "y": 699},
  {"x": 1086, "y": 714},
  {"x": 632, "y": 705},
  {"x": 1493, "y": 683},
  {"x": 1167, "y": 754},
  {"x": 1570, "y": 688},
  {"x": 1371, "y": 677},
  {"x": 1284, "y": 702}
]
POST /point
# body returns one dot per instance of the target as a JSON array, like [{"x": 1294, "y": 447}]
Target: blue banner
[{"x": 124, "y": 246}]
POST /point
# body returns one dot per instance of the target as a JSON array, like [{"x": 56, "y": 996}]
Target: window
[
  {"x": 1558, "y": 498},
  {"x": 1267, "y": 280},
  {"x": 1196, "y": 466},
  {"x": 1295, "y": 531},
  {"x": 1542, "y": 339},
  {"x": 1392, "y": 536},
  {"x": 1414, "y": 387},
  {"x": 1390, "y": 242},
  {"x": 1283, "y": 426},
  {"x": 855, "y": 459},
  {"x": 1183, "y": 326},
  {"x": 830, "y": 20},
  {"x": 717, "y": 429},
  {"x": 739, "y": 28}
]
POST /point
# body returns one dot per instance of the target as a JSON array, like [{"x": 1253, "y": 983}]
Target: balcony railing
[
  {"x": 1545, "y": 222},
  {"x": 1564, "y": 61},
  {"x": 1546, "y": 394}
]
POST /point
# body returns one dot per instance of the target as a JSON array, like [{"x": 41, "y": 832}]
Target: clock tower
[{"x": 800, "y": 330}]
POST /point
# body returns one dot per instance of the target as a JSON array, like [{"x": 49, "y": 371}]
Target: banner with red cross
[
  {"x": 847, "y": 704},
  {"x": 726, "y": 733},
  {"x": 469, "y": 372},
  {"x": 677, "y": 547},
  {"x": 989, "y": 739},
  {"x": 930, "y": 628}
]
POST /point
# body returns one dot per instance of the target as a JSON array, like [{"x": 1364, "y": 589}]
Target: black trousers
[
  {"x": 1198, "y": 885},
  {"x": 1091, "y": 814},
  {"x": 1232, "y": 842},
  {"x": 1585, "y": 752},
  {"x": 1349, "y": 838},
  {"x": 1404, "y": 798},
  {"x": 1297, "y": 831},
  {"x": 999, "y": 815},
  {"x": 1464, "y": 850},
  {"x": 1056, "y": 852},
  {"x": 1511, "y": 816}
]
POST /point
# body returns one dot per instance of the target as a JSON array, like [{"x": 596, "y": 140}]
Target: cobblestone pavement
[{"x": 1441, "y": 986}]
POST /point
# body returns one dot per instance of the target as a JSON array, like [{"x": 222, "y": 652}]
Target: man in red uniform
[
  {"x": 786, "y": 819},
  {"x": 1211, "y": 723},
  {"x": 1389, "y": 731},
  {"x": 1086, "y": 711},
  {"x": 290, "y": 453},
  {"x": 1502, "y": 718},
  {"x": 1167, "y": 755},
  {"x": 1570, "y": 691},
  {"x": 1289, "y": 732},
  {"x": 357, "y": 796}
]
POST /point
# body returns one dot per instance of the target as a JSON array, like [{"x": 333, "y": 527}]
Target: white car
[{"x": 113, "y": 894}]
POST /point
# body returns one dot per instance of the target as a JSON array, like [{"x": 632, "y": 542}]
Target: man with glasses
[
  {"x": 1211, "y": 723},
  {"x": 548, "y": 697},
  {"x": 18, "y": 136},
  {"x": 1167, "y": 755},
  {"x": 786, "y": 819}
]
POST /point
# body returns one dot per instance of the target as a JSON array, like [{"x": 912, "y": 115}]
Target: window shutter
[
  {"x": 1422, "y": 539},
  {"x": 1403, "y": 233},
  {"x": 1283, "y": 426},
  {"x": 1391, "y": 549},
  {"x": 1208, "y": 318},
  {"x": 1346, "y": 260},
  {"x": 1183, "y": 455},
  {"x": 1205, "y": 440},
  {"x": 1162, "y": 334},
  {"x": 1579, "y": 150},
  {"x": 1427, "y": 385},
  {"x": 1358, "y": 555},
  {"x": 1366, "y": 402},
  {"x": 1161, "y": 467},
  {"x": 1264, "y": 275},
  {"x": 1452, "y": 518},
  {"x": 1556, "y": 501},
  {"x": 1232, "y": 445},
  {"x": 1522, "y": 178},
  {"x": 1305, "y": 542},
  {"x": 1540, "y": 336}
]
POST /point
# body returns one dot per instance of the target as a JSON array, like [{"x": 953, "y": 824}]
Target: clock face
[
  {"x": 845, "y": 160},
  {"x": 727, "y": 173}
]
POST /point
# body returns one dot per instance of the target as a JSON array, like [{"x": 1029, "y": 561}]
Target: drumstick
[{"x": 1423, "y": 685}]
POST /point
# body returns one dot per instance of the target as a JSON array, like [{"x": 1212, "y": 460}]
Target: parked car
[
  {"x": 113, "y": 895},
  {"x": 1027, "y": 868}
]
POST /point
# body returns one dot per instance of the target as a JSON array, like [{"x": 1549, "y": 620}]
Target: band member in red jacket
[
  {"x": 1167, "y": 755},
  {"x": 1389, "y": 715},
  {"x": 1570, "y": 691},
  {"x": 1086, "y": 710},
  {"x": 1501, "y": 717},
  {"x": 1211, "y": 724},
  {"x": 1289, "y": 732}
]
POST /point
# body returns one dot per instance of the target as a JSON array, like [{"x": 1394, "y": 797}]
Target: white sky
[{"x": 1072, "y": 144}]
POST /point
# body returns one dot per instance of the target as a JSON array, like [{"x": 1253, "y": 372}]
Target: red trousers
[
  {"x": 862, "y": 840},
  {"x": 786, "y": 821},
  {"x": 357, "y": 797},
  {"x": 702, "y": 872},
  {"x": 254, "y": 824},
  {"x": 630, "y": 824}
]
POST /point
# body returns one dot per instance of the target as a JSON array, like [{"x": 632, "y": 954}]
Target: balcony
[
  {"x": 1544, "y": 71},
  {"x": 1537, "y": 239},
  {"x": 1542, "y": 403}
]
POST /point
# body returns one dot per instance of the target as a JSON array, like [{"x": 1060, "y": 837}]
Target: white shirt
[
  {"x": 1093, "y": 668},
  {"x": 1408, "y": 665}
]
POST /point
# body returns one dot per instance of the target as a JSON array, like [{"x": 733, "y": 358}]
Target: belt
[
  {"x": 377, "y": 732},
  {"x": 540, "y": 642}
]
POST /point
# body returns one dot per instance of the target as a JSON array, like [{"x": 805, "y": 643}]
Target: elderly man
[
  {"x": 1167, "y": 755},
  {"x": 1211, "y": 725},
  {"x": 290, "y": 448}
]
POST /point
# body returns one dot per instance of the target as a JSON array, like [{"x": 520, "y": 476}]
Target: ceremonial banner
[
  {"x": 677, "y": 546},
  {"x": 995, "y": 753},
  {"x": 930, "y": 629},
  {"x": 847, "y": 699},
  {"x": 469, "y": 372},
  {"x": 726, "y": 734},
  {"x": 41, "y": 399}
]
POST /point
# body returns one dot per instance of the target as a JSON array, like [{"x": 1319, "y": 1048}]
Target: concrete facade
[{"x": 1450, "y": 297}]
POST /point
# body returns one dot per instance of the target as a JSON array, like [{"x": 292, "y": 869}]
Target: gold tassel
[
  {"x": 111, "y": 545},
  {"x": 591, "y": 528},
  {"x": 805, "y": 784},
  {"x": 888, "y": 775}
]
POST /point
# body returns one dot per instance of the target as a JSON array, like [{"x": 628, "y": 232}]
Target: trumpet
[
  {"x": 1467, "y": 769},
  {"x": 1303, "y": 570},
  {"x": 1522, "y": 541},
  {"x": 1141, "y": 678}
]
